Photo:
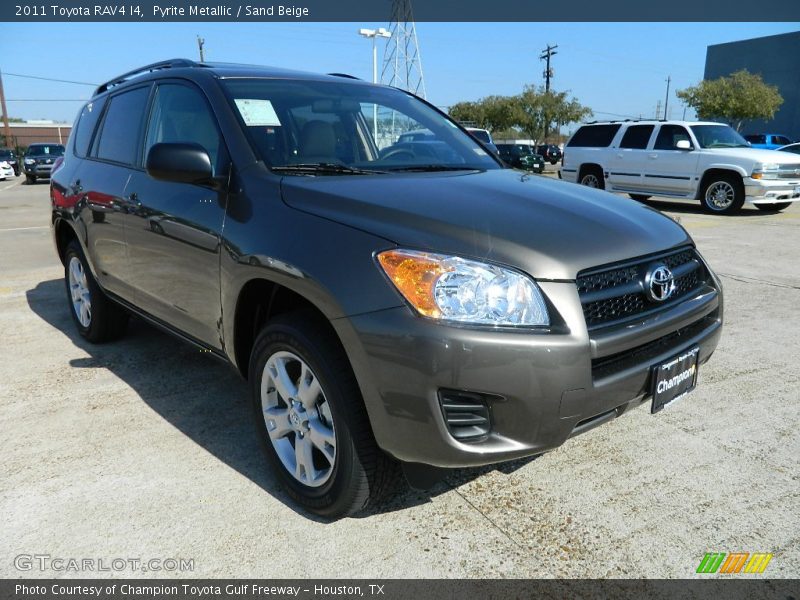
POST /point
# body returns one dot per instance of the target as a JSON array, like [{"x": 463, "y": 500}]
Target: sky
[{"x": 617, "y": 69}]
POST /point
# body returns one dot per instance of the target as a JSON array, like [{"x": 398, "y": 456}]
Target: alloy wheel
[
  {"x": 298, "y": 419},
  {"x": 720, "y": 195},
  {"x": 590, "y": 180},
  {"x": 79, "y": 291}
]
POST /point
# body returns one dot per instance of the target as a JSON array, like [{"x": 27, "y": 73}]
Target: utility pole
[
  {"x": 666, "y": 98},
  {"x": 6, "y": 128},
  {"x": 547, "y": 54},
  {"x": 375, "y": 34},
  {"x": 200, "y": 43},
  {"x": 658, "y": 109}
]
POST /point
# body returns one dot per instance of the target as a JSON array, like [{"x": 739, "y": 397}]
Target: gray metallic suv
[{"x": 395, "y": 310}]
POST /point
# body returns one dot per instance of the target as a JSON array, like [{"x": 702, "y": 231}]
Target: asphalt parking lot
[{"x": 144, "y": 448}]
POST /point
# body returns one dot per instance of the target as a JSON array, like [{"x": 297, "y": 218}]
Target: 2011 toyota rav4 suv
[
  {"x": 709, "y": 162},
  {"x": 388, "y": 309}
]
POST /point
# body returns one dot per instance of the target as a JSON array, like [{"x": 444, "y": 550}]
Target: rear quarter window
[
  {"x": 594, "y": 136},
  {"x": 84, "y": 128}
]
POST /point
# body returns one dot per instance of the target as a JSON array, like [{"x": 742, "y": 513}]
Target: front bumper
[
  {"x": 544, "y": 387},
  {"x": 38, "y": 170},
  {"x": 769, "y": 191}
]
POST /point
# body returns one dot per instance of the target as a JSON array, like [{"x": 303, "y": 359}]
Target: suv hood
[
  {"x": 548, "y": 228},
  {"x": 758, "y": 155}
]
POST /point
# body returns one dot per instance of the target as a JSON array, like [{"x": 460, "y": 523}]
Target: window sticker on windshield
[{"x": 257, "y": 113}]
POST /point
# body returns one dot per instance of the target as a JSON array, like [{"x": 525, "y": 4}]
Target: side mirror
[
  {"x": 683, "y": 145},
  {"x": 179, "y": 163}
]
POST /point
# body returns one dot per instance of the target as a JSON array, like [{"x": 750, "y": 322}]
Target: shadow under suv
[{"x": 393, "y": 312}]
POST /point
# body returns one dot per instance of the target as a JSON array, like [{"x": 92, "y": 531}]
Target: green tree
[
  {"x": 735, "y": 99},
  {"x": 531, "y": 112}
]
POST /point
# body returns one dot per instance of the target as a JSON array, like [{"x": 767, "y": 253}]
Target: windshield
[
  {"x": 718, "y": 136},
  {"x": 344, "y": 128},
  {"x": 481, "y": 135},
  {"x": 49, "y": 149},
  {"x": 6, "y": 153}
]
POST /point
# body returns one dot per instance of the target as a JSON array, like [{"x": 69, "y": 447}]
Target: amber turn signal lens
[{"x": 414, "y": 274}]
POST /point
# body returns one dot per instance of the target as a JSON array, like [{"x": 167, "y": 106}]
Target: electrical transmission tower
[{"x": 402, "y": 61}]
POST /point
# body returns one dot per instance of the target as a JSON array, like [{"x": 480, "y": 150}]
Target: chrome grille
[{"x": 616, "y": 293}]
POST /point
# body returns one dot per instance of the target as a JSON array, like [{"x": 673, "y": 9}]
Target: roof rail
[
  {"x": 157, "y": 66},
  {"x": 345, "y": 75}
]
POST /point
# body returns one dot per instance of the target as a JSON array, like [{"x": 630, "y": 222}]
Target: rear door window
[
  {"x": 636, "y": 137},
  {"x": 119, "y": 135}
]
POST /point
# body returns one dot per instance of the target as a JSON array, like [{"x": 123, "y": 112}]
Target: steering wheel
[{"x": 399, "y": 152}]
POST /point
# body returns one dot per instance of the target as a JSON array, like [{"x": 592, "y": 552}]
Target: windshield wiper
[
  {"x": 323, "y": 169},
  {"x": 427, "y": 168}
]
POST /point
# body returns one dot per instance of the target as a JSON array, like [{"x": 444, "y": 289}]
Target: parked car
[
  {"x": 550, "y": 152},
  {"x": 484, "y": 137},
  {"x": 767, "y": 141},
  {"x": 793, "y": 148},
  {"x": 391, "y": 313},
  {"x": 6, "y": 170},
  {"x": 706, "y": 161},
  {"x": 10, "y": 156},
  {"x": 38, "y": 160},
  {"x": 521, "y": 156}
]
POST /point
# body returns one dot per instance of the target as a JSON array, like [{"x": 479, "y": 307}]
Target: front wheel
[
  {"x": 312, "y": 421},
  {"x": 723, "y": 194},
  {"x": 777, "y": 207},
  {"x": 30, "y": 179}
]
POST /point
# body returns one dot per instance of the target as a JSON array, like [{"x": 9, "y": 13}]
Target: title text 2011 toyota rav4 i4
[
  {"x": 389, "y": 309},
  {"x": 709, "y": 162}
]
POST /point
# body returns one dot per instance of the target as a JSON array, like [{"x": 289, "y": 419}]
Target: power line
[{"x": 50, "y": 79}]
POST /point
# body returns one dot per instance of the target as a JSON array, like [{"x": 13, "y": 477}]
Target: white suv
[{"x": 710, "y": 162}]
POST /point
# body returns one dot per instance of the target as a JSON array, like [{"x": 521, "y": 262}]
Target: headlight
[
  {"x": 768, "y": 171},
  {"x": 450, "y": 288},
  {"x": 30, "y": 161}
]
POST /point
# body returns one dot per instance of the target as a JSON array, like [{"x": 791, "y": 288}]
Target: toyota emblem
[{"x": 660, "y": 283}]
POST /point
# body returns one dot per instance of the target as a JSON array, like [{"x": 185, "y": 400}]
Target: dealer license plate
[{"x": 674, "y": 378}]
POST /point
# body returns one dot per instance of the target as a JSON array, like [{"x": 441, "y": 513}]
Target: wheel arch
[
  {"x": 259, "y": 300},
  {"x": 63, "y": 234},
  {"x": 715, "y": 171}
]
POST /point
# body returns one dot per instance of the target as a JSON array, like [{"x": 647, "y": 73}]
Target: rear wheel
[
  {"x": 592, "y": 177},
  {"x": 723, "y": 194},
  {"x": 777, "y": 207},
  {"x": 639, "y": 197},
  {"x": 97, "y": 318},
  {"x": 312, "y": 420}
]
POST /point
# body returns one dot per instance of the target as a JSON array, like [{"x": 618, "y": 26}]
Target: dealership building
[{"x": 777, "y": 59}]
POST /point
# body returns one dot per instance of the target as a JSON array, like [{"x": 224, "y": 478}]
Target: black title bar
[{"x": 380, "y": 10}]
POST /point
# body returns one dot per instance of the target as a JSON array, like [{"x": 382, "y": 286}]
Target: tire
[
  {"x": 344, "y": 477},
  {"x": 777, "y": 207},
  {"x": 639, "y": 197},
  {"x": 97, "y": 318},
  {"x": 30, "y": 179},
  {"x": 592, "y": 177},
  {"x": 723, "y": 194}
]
